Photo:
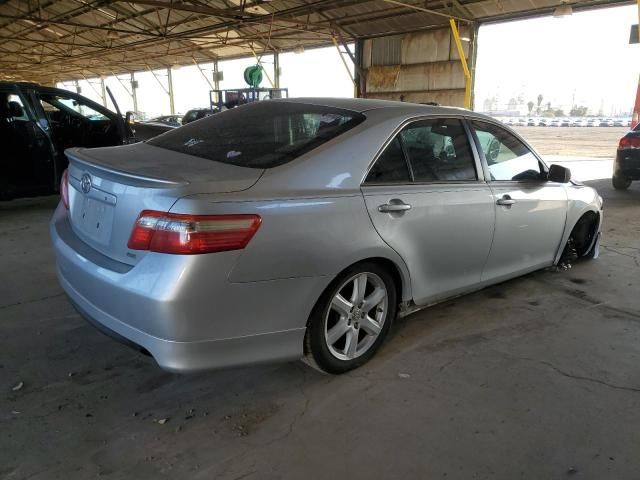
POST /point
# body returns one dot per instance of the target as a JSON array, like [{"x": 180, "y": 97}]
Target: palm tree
[
  {"x": 530, "y": 105},
  {"x": 540, "y": 98}
]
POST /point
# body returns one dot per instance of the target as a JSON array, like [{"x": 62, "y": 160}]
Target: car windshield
[{"x": 260, "y": 135}]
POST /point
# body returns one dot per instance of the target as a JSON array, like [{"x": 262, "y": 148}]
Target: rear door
[
  {"x": 427, "y": 199},
  {"x": 530, "y": 211}
]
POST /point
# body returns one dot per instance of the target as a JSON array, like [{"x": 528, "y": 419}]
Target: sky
[
  {"x": 584, "y": 59},
  {"x": 586, "y": 55}
]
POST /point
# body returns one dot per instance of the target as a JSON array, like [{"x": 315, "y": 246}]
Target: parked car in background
[
  {"x": 565, "y": 122},
  {"x": 299, "y": 227},
  {"x": 145, "y": 129},
  {"x": 578, "y": 122},
  {"x": 592, "y": 122},
  {"x": 554, "y": 123},
  {"x": 196, "y": 114},
  {"x": 626, "y": 166},
  {"x": 618, "y": 122},
  {"x": 171, "y": 120},
  {"x": 37, "y": 124},
  {"x": 543, "y": 122},
  {"x": 531, "y": 122},
  {"x": 606, "y": 123}
]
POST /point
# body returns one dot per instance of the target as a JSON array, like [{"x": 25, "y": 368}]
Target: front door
[
  {"x": 531, "y": 212},
  {"x": 27, "y": 153},
  {"x": 427, "y": 199}
]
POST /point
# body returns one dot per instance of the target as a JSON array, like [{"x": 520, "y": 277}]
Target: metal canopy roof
[{"x": 53, "y": 40}]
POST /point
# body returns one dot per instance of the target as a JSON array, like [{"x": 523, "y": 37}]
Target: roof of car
[{"x": 365, "y": 104}]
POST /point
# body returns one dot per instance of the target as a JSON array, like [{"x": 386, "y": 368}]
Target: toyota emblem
[{"x": 85, "y": 183}]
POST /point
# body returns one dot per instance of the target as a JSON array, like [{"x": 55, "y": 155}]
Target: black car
[
  {"x": 171, "y": 120},
  {"x": 38, "y": 123},
  {"x": 626, "y": 167},
  {"x": 196, "y": 114}
]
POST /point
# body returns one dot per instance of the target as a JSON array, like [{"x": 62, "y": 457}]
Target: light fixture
[
  {"x": 563, "y": 10},
  {"x": 465, "y": 39},
  {"x": 298, "y": 49}
]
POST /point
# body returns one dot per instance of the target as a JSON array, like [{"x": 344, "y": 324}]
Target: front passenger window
[{"x": 507, "y": 157}]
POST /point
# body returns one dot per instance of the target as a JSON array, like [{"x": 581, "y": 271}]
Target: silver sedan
[{"x": 305, "y": 227}]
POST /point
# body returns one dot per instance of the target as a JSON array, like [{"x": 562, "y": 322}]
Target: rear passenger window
[
  {"x": 438, "y": 151},
  {"x": 391, "y": 166}
]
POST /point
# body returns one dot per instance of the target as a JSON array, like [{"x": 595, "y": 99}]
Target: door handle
[
  {"x": 394, "y": 207},
  {"x": 506, "y": 201}
]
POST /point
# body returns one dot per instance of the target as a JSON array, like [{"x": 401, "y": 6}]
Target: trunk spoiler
[{"x": 78, "y": 156}]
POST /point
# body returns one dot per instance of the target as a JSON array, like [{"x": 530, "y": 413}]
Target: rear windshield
[{"x": 260, "y": 135}]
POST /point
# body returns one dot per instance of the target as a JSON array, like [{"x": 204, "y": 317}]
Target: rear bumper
[
  {"x": 627, "y": 164},
  {"x": 184, "y": 357},
  {"x": 183, "y": 310}
]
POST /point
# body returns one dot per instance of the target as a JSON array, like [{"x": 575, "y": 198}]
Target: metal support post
[
  {"x": 463, "y": 60},
  {"x": 172, "y": 108}
]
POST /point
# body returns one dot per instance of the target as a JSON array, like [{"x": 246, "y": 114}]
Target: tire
[
  {"x": 335, "y": 322},
  {"x": 620, "y": 183},
  {"x": 581, "y": 240}
]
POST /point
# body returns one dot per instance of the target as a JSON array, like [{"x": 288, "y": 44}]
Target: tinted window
[
  {"x": 438, "y": 151},
  {"x": 260, "y": 135},
  {"x": 391, "y": 166},
  {"x": 56, "y": 103},
  {"x": 507, "y": 157}
]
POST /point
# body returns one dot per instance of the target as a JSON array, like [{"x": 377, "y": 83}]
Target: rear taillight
[
  {"x": 192, "y": 234},
  {"x": 64, "y": 189},
  {"x": 629, "y": 142}
]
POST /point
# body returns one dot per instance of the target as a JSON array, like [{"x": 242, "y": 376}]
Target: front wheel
[
  {"x": 352, "y": 318},
  {"x": 620, "y": 183}
]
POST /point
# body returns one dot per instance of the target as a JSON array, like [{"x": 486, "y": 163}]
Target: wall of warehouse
[
  {"x": 314, "y": 73},
  {"x": 416, "y": 67}
]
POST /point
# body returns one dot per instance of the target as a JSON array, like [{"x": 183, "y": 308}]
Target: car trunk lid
[{"x": 109, "y": 187}]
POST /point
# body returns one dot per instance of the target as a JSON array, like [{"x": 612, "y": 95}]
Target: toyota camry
[{"x": 304, "y": 227}]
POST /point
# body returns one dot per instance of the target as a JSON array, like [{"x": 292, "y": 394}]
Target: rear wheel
[
  {"x": 352, "y": 318},
  {"x": 620, "y": 183}
]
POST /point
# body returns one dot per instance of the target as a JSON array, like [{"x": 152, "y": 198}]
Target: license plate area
[{"x": 93, "y": 216}]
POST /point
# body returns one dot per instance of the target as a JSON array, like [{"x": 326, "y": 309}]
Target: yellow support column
[{"x": 463, "y": 60}]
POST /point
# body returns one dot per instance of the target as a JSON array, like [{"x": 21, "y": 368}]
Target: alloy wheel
[{"x": 356, "y": 316}]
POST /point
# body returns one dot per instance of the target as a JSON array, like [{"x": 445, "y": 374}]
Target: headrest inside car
[{"x": 15, "y": 109}]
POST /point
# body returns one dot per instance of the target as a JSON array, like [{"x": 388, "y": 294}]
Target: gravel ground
[{"x": 598, "y": 142}]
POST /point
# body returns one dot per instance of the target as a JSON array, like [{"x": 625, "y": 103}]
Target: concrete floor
[{"x": 536, "y": 378}]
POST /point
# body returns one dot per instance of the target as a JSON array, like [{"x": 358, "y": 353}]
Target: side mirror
[
  {"x": 129, "y": 118},
  {"x": 559, "y": 174}
]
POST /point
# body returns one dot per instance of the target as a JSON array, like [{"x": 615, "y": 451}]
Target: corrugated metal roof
[{"x": 52, "y": 40}]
